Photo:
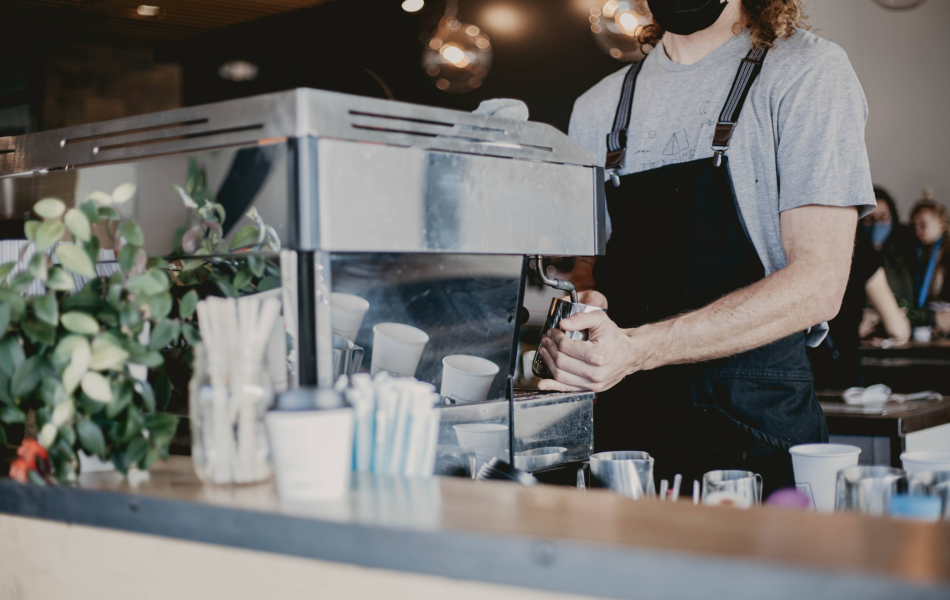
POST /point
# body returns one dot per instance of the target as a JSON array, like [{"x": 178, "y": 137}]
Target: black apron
[{"x": 679, "y": 243}]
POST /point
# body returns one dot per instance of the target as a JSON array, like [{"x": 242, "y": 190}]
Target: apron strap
[
  {"x": 617, "y": 139},
  {"x": 745, "y": 77}
]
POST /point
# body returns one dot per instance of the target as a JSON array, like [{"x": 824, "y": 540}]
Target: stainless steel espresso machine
[{"x": 428, "y": 214}]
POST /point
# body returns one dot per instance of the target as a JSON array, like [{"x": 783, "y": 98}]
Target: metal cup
[
  {"x": 932, "y": 483},
  {"x": 560, "y": 309},
  {"x": 868, "y": 490},
  {"x": 629, "y": 473},
  {"x": 347, "y": 357},
  {"x": 741, "y": 489}
]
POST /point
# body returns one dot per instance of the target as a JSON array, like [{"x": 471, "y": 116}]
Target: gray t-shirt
[{"x": 799, "y": 138}]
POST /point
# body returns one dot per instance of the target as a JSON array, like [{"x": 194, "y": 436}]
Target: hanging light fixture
[
  {"x": 616, "y": 26},
  {"x": 457, "y": 56},
  {"x": 900, "y": 4}
]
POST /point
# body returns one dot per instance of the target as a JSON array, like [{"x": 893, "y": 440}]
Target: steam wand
[{"x": 558, "y": 284}]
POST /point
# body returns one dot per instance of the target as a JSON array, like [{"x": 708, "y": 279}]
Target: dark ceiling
[{"x": 117, "y": 22}]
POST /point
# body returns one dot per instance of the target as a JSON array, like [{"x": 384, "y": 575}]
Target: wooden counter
[{"x": 547, "y": 538}]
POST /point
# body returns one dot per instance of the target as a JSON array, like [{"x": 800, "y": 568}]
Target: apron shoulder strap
[
  {"x": 745, "y": 77},
  {"x": 617, "y": 139}
]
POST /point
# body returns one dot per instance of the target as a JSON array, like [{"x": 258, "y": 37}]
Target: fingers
[
  {"x": 568, "y": 363},
  {"x": 579, "y": 349},
  {"x": 562, "y": 376},
  {"x": 551, "y": 385},
  {"x": 593, "y": 298},
  {"x": 582, "y": 321}
]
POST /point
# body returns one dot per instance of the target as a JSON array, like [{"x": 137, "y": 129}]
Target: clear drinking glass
[
  {"x": 741, "y": 489},
  {"x": 228, "y": 436}
]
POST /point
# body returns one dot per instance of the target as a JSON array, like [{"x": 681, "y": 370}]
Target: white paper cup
[
  {"x": 527, "y": 359},
  {"x": 487, "y": 440},
  {"x": 926, "y": 460},
  {"x": 313, "y": 452},
  {"x": 347, "y": 312},
  {"x": 397, "y": 349},
  {"x": 816, "y": 470},
  {"x": 467, "y": 378}
]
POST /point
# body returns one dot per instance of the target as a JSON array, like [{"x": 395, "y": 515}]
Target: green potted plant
[{"x": 74, "y": 358}]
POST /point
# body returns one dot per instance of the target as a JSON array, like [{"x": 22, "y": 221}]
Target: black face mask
[{"x": 684, "y": 17}]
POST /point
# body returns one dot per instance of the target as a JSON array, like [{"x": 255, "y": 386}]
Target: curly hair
[{"x": 767, "y": 20}]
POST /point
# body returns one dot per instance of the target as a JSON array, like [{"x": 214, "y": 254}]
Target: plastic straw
[{"x": 677, "y": 483}]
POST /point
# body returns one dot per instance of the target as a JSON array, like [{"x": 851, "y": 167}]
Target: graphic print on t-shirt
[{"x": 676, "y": 150}]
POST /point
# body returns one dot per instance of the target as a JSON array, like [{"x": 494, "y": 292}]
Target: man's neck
[{"x": 690, "y": 49}]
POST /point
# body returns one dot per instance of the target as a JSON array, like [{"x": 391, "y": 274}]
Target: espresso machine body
[{"x": 429, "y": 214}]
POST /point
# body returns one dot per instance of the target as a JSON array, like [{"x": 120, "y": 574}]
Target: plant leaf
[
  {"x": 162, "y": 335},
  {"x": 145, "y": 284},
  {"x": 140, "y": 355},
  {"x": 6, "y": 269},
  {"x": 27, "y": 376},
  {"x": 49, "y": 208},
  {"x": 80, "y": 322},
  {"x": 63, "y": 353},
  {"x": 268, "y": 283},
  {"x": 29, "y": 229},
  {"x": 12, "y": 414},
  {"x": 78, "y": 224},
  {"x": 17, "y": 305},
  {"x": 100, "y": 197},
  {"x": 192, "y": 336},
  {"x": 242, "y": 278},
  {"x": 106, "y": 355},
  {"x": 96, "y": 387},
  {"x": 122, "y": 395},
  {"x": 163, "y": 390},
  {"x": 159, "y": 305},
  {"x": 246, "y": 236},
  {"x": 52, "y": 391},
  {"x": 76, "y": 260},
  {"x": 137, "y": 450},
  {"x": 4, "y": 318},
  {"x": 11, "y": 355},
  {"x": 48, "y": 234},
  {"x": 89, "y": 209},
  {"x": 108, "y": 213},
  {"x": 256, "y": 265},
  {"x": 127, "y": 257},
  {"x": 185, "y": 197},
  {"x": 39, "y": 332},
  {"x": 64, "y": 413},
  {"x": 22, "y": 281},
  {"x": 188, "y": 304},
  {"x": 57, "y": 279},
  {"x": 123, "y": 192},
  {"x": 132, "y": 233},
  {"x": 38, "y": 266},
  {"x": 91, "y": 437},
  {"x": 147, "y": 394},
  {"x": 91, "y": 248},
  {"x": 162, "y": 426},
  {"x": 46, "y": 308}
]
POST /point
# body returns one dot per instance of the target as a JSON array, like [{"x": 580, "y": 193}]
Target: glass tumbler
[{"x": 741, "y": 489}]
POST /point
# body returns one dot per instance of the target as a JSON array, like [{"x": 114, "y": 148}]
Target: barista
[{"x": 736, "y": 172}]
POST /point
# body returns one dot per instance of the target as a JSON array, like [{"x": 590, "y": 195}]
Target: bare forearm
[{"x": 775, "y": 307}]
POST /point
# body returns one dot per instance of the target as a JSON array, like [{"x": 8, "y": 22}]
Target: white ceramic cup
[
  {"x": 816, "y": 469},
  {"x": 467, "y": 378},
  {"x": 312, "y": 452},
  {"x": 926, "y": 460},
  {"x": 347, "y": 312},
  {"x": 484, "y": 439},
  {"x": 527, "y": 359},
  {"x": 397, "y": 349}
]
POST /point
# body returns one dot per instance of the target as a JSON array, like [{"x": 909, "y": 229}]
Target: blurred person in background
[
  {"x": 932, "y": 290},
  {"x": 836, "y": 363},
  {"x": 896, "y": 243}
]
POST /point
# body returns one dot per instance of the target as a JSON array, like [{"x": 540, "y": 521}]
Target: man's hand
[
  {"x": 609, "y": 354},
  {"x": 818, "y": 242}
]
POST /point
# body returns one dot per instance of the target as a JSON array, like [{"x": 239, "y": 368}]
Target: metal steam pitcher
[{"x": 560, "y": 309}]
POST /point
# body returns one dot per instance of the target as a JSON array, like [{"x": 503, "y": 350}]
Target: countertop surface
[{"x": 548, "y": 537}]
